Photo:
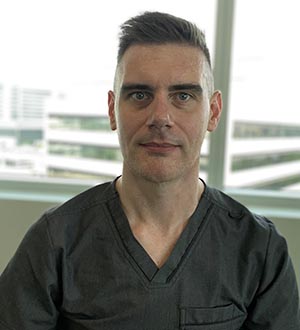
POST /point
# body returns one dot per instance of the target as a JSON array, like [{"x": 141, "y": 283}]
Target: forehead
[{"x": 167, "y": 63}]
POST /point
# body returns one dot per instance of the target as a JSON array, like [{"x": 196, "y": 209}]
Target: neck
[{"x": 161, "y": 204}]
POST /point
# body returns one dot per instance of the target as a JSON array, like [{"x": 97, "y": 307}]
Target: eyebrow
[
  {"x": 178, "y": 87},
  {"x": 141, "y": 87},
  {"x": 183, "y": 87}
]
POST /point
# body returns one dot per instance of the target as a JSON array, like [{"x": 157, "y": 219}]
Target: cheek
[
  {"x": 197, "y": 129},
  {"x": 127, "y": 128}
]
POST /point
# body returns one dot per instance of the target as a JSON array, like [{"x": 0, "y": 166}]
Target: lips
[
  {"x": 158, "y": 147},
  {"x": 161, "y": 145}
]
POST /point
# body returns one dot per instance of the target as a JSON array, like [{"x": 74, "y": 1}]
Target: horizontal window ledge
[
  {"x": 272, "y": 204},
  {"x": 42, "y": 189}
]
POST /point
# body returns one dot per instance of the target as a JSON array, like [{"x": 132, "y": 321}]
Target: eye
[
  {"x": 183, "y": 96},
  {"x": 139, "y": 96}
]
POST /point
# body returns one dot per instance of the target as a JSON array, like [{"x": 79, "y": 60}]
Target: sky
[
  {"x": 266, "y": 61},
  {"x": 56, "y": 43},
  {"x": 64, "y": 40}
]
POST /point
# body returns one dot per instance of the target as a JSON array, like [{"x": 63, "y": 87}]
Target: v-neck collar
[{"x": 138, "y": 254}]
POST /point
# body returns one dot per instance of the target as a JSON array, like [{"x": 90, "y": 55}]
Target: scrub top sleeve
[
  {"x": 29, "y": 285},
  {"x": 276, "y": 304}
]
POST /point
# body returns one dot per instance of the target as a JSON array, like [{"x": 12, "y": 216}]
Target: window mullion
[{"x": 218, "y": 156}]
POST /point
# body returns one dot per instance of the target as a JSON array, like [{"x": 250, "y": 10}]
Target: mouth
[{"x": 159, "y": 148}]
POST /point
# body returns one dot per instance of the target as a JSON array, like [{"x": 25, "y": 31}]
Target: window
[
  {"x": 57, "y": 64},
  {"x": 264, "y": 116}
]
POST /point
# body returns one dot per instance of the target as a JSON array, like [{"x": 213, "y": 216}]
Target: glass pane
[
  {"x": 57, "y": 64},
  {"x": 264, "y": 151}
]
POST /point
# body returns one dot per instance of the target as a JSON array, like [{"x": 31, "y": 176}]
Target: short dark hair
[{"x": 160, "y": 28}]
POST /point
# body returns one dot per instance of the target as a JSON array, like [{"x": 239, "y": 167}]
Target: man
[{"x": 156, "y": 249}]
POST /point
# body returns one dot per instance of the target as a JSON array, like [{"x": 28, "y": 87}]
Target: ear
[
  {"x": 111, "y": 110},
  {"x": 216, "y": 105}
]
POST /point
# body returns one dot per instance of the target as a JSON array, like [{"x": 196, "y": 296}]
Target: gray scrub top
[{"x": 79, "y": 267}]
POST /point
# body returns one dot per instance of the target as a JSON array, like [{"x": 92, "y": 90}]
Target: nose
[{"x": 160, "y": 115}]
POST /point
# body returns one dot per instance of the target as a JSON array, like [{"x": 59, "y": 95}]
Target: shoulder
[
  {"x": 239, "y": 219},
  {"x": 86, "y": 212},
  {"x": 252, "y": 237},
  {"x": 93, "y": 197}
]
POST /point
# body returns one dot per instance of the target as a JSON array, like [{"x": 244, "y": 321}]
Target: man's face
[{"x": 162, "y": 110}]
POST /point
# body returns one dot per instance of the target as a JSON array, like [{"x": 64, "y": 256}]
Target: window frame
[{"x": 274, "y": 204}]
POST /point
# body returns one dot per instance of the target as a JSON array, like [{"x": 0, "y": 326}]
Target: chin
[
  {"x": 159, "y": 174},
  {"x": 160, "y": 170}
]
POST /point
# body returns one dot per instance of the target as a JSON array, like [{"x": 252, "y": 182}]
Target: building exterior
[
  {"x": 265, "y": 155},
  {"x": 22, "y": 127},
  {"x": 82, "y": 146}
]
